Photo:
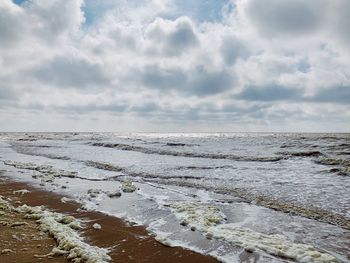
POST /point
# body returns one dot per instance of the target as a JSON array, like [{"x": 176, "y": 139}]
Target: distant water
[{"x": 296, "y": 185}]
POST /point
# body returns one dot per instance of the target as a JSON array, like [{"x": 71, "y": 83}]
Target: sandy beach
[{"x": 127, "y": 243}]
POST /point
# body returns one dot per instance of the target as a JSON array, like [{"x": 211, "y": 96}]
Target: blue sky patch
[{"x": 19, "y": 2}]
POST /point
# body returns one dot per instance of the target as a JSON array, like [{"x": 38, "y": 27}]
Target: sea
[{"x": 240, "y": 197}]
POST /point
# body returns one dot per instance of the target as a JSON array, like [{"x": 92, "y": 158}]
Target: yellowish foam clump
[
  {"x": 4, "y": 205},
  {"x": 93, "y": 193},
  {"x": 128, "y": 187},
  {"x": 22, "y": 192},
  {"x": 198, "y": 215},
  {"x": 48, "y": 173},
  {"x": 276, "y": 245}
]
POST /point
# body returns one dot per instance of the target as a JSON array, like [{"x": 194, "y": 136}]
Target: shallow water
[{"x": 295, "y": 185}]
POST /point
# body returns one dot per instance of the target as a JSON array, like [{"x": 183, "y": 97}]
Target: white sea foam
[
  {"x": 276, "y": 245},
  {"x": 210, "y": 220},
  {"x": 198, "y": 215},
  {"x": 96, "y": 226},
  {"x": 63, "y": 229}
]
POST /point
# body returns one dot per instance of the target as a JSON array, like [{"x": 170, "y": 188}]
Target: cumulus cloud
[
  {"x": 167, "y": 64},
  {"x": 56, "y": 18},
  {"x": 171, "y": 38}
]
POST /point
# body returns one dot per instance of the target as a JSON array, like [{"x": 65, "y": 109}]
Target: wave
[
  {"x": 343, "y": 165},
  {"x": 128, "y": 147},
  {"x": 204, "y": 167},
  {"x": 127, "y": 172},
  {"x": 333, "y": 161},
  {"x": 48, "y": 175},
  {"x": 177, "y": 144},
  {"x": 243, "y": 194},
  {"x": 303, "y": 154},
  {"x": 104, "y": 166},
  {"x": 248, "y": 196},
  {"x": 28, "y": 151}
]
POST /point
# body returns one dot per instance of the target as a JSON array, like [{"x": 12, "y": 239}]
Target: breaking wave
[
  {"x": 125, "y": 171},
  {"x": 128, "y": 147},
  {"x": 248, "y": 196},
  {"x": 303, "y": 154}
]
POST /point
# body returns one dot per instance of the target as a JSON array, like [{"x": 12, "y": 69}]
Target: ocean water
[{"x": 241, "y": 197}]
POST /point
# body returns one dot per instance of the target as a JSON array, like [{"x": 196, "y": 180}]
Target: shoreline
[{"x": 127, "y": 243}]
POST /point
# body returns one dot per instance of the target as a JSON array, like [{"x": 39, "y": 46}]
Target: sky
[{"x": 175, "y": 65}]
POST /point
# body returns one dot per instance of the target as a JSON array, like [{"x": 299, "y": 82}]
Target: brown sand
[
  {"x": 20, "y": 243},
  {"x": 130, "y": 243}
]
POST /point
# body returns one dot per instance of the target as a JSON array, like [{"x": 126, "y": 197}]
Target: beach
[{"x": 127, "y": 243}]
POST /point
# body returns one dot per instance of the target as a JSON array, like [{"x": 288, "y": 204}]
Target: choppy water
[{"x": 296, "y": 185}]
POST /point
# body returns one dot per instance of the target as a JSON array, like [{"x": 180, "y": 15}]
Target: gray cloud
[
  {"x": 199, "y": 81},
  {"x": 8, "y": 97},
  {"x": 90, "y": 108},
  {"x": 181, "y": 38},
  {"x": 72, "y": 72},
  {"x": 342, "y": 22},
  {"x": 163, "y": 79},
  {"x": 146, "y": 107},
  {"x": 206, "y": 83},
  {"x": 285, "y": 17},
  {"x": 340, "y": 94},
  {"x": 232, "y": 49},
  {"x": 172, "y": 38},
  {"x": 11, "y": 17},
  {"x": 269, "y": 93},
  {"x": 7, "y": 93}
]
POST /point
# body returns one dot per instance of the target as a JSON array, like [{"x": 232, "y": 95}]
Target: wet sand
[{"x": 128, "y": 243}]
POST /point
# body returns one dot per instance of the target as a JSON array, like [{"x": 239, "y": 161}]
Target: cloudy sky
[{"x": 175, "y": 65}]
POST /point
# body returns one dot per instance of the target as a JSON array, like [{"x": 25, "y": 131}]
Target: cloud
[
  {"x": 206, "y": 83},
  {"x": 341, "y": 13},
  {"x": 72, "y": 72},
  {"x": 269, "y": 93},
  {"x": 339, "y": 95},
  {"x": 56, "y": 18},
  {"x": 163, "y": 79},
  {"x": 288, "y": 17},
  {"x": 92, "y": 107},
  {"x": 11, "y": 17},
  {"x": 172, "y": 38},
  {"x": 232, "y": 49},
  {"x": 198, "y": 81},
  {"x": 235, "y": 64},
  {"x": 7, "y": 94}
]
